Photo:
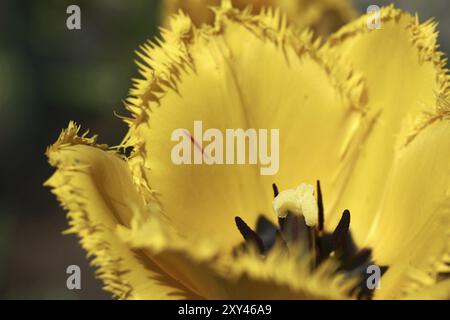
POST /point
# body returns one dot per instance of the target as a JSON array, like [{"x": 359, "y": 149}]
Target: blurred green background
[{"x": 50, "y": 75}]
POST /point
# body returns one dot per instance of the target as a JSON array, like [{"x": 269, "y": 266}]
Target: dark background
[{"x": 50, "y": 75}]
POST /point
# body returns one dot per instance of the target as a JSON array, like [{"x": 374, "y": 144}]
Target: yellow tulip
[
  {"x": 367, "y": 113},
  {"x": 322, "y": 16}
]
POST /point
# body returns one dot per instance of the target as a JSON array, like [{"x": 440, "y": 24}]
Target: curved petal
[
  {"x": 284, "y": 276},
  {"x": 411, "y": 233},
  {"x": 188, "y": 261},
  {"x": 405, "y": 77},
  {"x": 249, "y": 276},
  {"x": 322, "y": 16},
  {"x": 248, "y": 72},
  {"x": 95, "y": 186}
]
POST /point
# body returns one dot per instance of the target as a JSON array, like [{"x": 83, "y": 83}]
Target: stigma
[{"x": 299, "y": 201}]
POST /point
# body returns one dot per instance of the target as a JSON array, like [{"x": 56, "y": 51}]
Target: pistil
[{"x": 298, "y": 229}]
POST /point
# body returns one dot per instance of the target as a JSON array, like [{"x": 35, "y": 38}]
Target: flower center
[{"x": 301, "y": 227}]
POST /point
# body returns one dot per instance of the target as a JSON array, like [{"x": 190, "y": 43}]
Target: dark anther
[
  {"x": 275, "y": 190},
  {"x": 320, "y": 206},
  {"x": 267, "y": 232},
  {"x": 248, "y": 234},
  {"x": 341, "y": 231}
]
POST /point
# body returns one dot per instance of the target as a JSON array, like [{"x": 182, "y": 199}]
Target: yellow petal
[
  {"x": 411, "y": 233},
  {"x": 246, "y": 72},
  {"x": 139, "y": 256},
  {"x": 280, "y": 276},
  {"x": 322, "y": 16},
  {"x": 212, "y": 276},
  {"x": 440, "y": 291},
  {"x": 187, "y": 261},
  {"x": 198, "y": 10},
  {"x": 95, "y": 186},
  {"x": 405, "y": 77}
]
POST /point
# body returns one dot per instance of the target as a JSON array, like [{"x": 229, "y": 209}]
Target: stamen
[
  {"x": 267, "y": 232},
  {"x": 320, "y": 206},
  {"x": 248, "y": 234},
  {"x": 299, "y": 230},
  {"x": 275, "y": 190},
  {"x": 341, "y": 231}
]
